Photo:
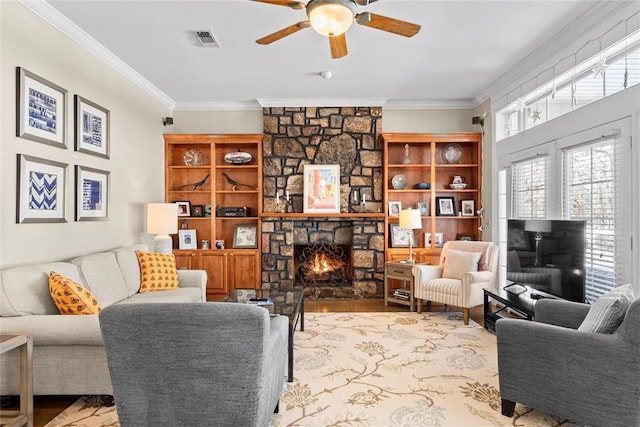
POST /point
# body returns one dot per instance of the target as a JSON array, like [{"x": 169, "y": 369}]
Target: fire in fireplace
[{"x": 323, "y": 263}]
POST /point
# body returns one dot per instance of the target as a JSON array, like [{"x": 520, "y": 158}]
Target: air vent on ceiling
[{"x": 206, "y": 39}]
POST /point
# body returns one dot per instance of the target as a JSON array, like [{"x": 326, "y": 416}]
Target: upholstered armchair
[
  {"x": 586, "y": 377},
  {"x": 195, "y": 364},
  {"x": 464, "y": 270}
]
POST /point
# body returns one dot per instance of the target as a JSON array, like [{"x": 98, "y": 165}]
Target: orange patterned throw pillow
[
  {"x": 157, "y": 272},
  {"x": 71, "y": 297}
]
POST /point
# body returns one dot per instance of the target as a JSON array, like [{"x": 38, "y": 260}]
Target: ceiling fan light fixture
[{"x": 331, "y": 17}]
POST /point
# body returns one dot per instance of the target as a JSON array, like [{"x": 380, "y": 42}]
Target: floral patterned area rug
[{"x": 379, "y": 369}]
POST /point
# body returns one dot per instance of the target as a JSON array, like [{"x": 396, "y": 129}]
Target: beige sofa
[{"x": 68, "y": 353}]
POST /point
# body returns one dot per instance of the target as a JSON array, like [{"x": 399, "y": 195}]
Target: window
[
  {"x": 590, "y": 195},
  {"x": 528, "y": 188},
  {"x": 611, "y": 70}
]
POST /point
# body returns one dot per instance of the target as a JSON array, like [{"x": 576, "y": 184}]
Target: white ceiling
[{"x": 461, "y": 50}]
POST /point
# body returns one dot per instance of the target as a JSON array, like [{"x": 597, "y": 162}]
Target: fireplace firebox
[{"x": 323, "y": 263}]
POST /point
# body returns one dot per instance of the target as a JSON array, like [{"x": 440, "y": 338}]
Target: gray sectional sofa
[{"x": 68, "y": 352}]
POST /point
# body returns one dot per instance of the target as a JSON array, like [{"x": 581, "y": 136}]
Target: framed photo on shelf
[
  {"x": 423, "y": 207},
  {"x": 92, "y": 194},
  {"x": 439, "y": 239},
  {"x": 445, "y": 206},
  {"x": 219, "y": 244},
  {"x": 184, "y": 208},
  {"x": 245, "y": 236},
  {"x": 468, "y": 208},
  {"x": 197, "y": 210},
  {"x": 42, "y": 110},
  {"x": 92, "y": 128},
  {"x": 321, "y": 189},
  {"x": 400, "y": 237},
  {"x": 187, "y": 239},
  {"x": 395, "y": 208},
  {"x": 41, "y": 190}
]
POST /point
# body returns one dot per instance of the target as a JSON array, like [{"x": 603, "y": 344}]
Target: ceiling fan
[{"x": 332, "y": 18}]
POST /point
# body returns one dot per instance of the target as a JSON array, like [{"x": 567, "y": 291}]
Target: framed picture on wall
[
  {"x": 41, "y": 190},
  {"x": 92, "y": 194},
  {"x": 321, "y": 189},
  {"x": 42, "y": 108},
  {"x": 92, "y": 128}
]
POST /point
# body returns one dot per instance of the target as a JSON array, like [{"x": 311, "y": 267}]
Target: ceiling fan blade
[
  {"x": 338, "y": 45},
  {"x": 273, "y": 37},
  {"x": 385, "y": 23},
  {"x": 287, "y": 3}
]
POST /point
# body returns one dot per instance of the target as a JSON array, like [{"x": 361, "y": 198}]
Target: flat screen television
[{"x": 548, "y": 255}]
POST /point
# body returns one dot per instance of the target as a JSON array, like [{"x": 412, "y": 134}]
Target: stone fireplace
[{"x": 346, "y": 136}]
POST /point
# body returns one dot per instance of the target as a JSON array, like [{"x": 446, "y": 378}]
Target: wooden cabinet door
[
  {"x": 214, "y": 262},
  {"x": 243, "y": 270},
  {"x": 185, "y": 260}
]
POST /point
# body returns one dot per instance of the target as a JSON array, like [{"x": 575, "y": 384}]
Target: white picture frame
[
  {"x": 394, "y": 208},
  {"x": 187, "y": 239},
  {"x": 321, "y": 189},
  {"x": 468, "y": 208}
]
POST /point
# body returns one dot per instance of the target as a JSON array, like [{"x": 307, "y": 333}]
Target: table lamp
[
  {"x": 162, "y": 220},
  {"x": 410, "y": 219},
  {"x": 537, "y": 226}
]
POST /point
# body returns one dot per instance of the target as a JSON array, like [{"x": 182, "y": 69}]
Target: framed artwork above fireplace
[{"x": 321, "y": 189}]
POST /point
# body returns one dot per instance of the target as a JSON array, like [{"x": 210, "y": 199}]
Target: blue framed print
[
  {"x": 92, "y": 194},
  {"x": 41, "y": 190},
  {"x": 92, "y": 128},
  {"x": 42, "y": 108}
]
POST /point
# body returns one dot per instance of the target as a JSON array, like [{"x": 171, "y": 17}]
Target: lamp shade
[
  {"x": 162, "y": 218},
  {"x": 537, "y": 225},
  {"x": 331, "y": 17},
  {"x": 410, "y": 218}
]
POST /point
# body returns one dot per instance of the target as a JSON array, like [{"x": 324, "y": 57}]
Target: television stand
[{"x": 523, "y": 303}]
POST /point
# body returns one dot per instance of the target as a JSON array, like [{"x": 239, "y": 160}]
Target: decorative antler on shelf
[{"x": 195, "y": 184}]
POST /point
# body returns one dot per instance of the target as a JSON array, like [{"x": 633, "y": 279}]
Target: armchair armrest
[
  {"x": 424, "y": 273},
  {"x": 568, "y": 314},
  {"x": 477, "y": 276},
  {"x": 193, "y": 279}
]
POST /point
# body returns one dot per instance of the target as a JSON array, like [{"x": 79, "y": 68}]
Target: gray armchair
[
  {"x": 195, "y": 364},
  {"x": 588, "y": 378}
]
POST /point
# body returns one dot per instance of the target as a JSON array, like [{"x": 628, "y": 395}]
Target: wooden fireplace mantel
[{"x": 302, "y": 215}]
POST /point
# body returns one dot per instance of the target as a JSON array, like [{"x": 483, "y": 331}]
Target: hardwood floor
[{"x": 48, "y": 407}]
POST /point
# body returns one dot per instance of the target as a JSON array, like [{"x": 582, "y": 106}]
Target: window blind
[{"x": 528, "y": 187}]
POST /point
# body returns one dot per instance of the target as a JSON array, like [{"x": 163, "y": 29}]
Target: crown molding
[
  {"x": 217, "y": 106},
  {"x": 444, "y": 104},
  {"x": 321, "y": 102},
  {"x": 47, "y": 12}
]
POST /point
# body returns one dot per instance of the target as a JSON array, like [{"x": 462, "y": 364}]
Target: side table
[
  {"x": 400, "y": 270},
  {"x": 24, "y": 416}
]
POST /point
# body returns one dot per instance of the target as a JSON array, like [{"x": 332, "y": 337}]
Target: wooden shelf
[{"x": 349, "y": 215}]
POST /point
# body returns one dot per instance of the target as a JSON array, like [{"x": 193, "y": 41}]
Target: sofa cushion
[
  {"x": 606, "y": 314},
  {"x": 458, "y": 262},
  {"x": 158, "y": 272},
  {"x": 129, "y": 266},
  {"x": 25, "y": 290},
  {"x": 71, "y": 297},
  {"x": 101, "y": 274}
]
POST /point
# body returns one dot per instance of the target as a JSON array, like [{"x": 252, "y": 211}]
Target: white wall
[
  {"x": 241, "y": 121},
  {"x": 136, "y": 162}
]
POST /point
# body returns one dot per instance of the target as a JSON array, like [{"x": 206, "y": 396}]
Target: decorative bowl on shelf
[
  {"x": 458, "y": 185},
  {"x": 452, "y": 153},
  {"x": 423, "y": 186},
  {"x": 399, "y": 182}
]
